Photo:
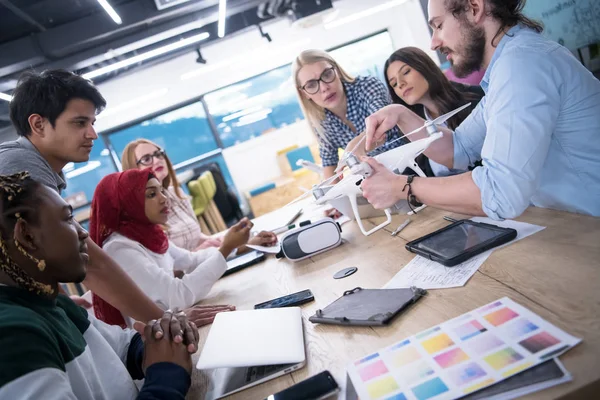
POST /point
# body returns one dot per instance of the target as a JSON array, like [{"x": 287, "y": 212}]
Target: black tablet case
[
  {"x": 367, "y": 307},
  {"x": 510, "y": 234}
]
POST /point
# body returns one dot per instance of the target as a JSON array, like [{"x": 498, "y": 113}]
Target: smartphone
[
  {"x": 316, "y": 387},
  {"x": 294, "y": 299}
]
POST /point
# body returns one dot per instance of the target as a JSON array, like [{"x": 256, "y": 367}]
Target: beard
[{"x": 471, "y": 53}]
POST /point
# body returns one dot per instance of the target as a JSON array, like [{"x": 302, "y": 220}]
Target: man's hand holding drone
[{"x": 383, "y": 188}]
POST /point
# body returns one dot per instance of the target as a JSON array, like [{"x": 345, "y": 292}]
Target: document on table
[
  {"x": 427, "y": 274},
  {"x": 266, "y": 249}
]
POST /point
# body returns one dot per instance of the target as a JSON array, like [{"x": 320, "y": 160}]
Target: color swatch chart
[{"x": 460, "y": 356}]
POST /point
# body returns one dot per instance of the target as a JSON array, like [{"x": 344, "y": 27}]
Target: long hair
[
  {"x": 314, "y": 113},
  {"x": 445, "y": 95},
  {"x": 128, "y": 161},
  {"x": 19, "y": 199},
  {"x": 508, "y": 12}
]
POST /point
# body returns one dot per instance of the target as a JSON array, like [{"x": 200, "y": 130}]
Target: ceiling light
[
  {"x": 110, "y": 11},
  {"x": 145, "y": 56},
  {"x": 363, "y": 14},
  {"x": 222, "y": 14},
  {"x": 200, "y": 59},
  {"x": 6, "y": 97}
]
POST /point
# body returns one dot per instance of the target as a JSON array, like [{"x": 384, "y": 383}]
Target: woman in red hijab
[{"x": 129, "y": 211}]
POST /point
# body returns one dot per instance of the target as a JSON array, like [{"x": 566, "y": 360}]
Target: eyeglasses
[
  {"x": 148, "y": 158},
  {"x": 312, "y": 86}
]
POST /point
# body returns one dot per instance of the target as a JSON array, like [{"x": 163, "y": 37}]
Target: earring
[{"x": 41, "y": 264}]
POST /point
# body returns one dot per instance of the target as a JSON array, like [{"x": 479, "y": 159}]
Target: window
[
  {"x": 82, "y": 178},
  {"x": 245, "y": 110},
  {"x": 217, "y": 158},
  {"x": 268, "y": 101},
  {"x": 184, "y": 133},
  {"x": 240, "y": 112},
  {"x": 365, "y": 57}
]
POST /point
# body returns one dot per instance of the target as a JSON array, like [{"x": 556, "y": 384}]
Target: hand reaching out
[
  {"x": 236, "y": 236},
  {"x": 263, "y": 238}
]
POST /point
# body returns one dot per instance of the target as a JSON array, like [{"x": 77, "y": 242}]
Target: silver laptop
[{"x": 246, "y": 348}]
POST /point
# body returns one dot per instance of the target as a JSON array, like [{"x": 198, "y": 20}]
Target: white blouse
[{"x": 153, "y": 272}]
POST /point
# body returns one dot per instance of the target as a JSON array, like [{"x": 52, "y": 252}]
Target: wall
[
  {"x": 150, "y": 90},
  {"x": 254, "y": 162},
  {"x": 8, "y": 133}
]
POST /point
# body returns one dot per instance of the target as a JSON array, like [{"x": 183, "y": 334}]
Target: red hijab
[{"x": 119, "y": 206}]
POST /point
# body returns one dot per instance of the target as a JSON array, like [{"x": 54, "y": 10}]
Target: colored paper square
[
  {"x": 484, "y": 343},
  {"x": 371, "y": 371},
  {"x": 437, "y": 343},
  {"x": 490, "y": 307},
  {"x": 382, "y": 387},
  {"x": 503, "y": 358},
  {"x": 367, "y": 358},
  {"x": 430, "y": 389},
  {"x": 427, "y": 333},
  {"x": 405, "y": 356},
  {"x": 470, "y": 329},
  {"x": 415, "y": 372},
  {"x": 399, "y": 396},
  {"x": 479, "y": 385},
  {"x": 539, "y": 342},
  {"x": 517, "y": 369},
  {"x": 466, "y": 373},
  {"x": 451, "y": 357},
  {"x": 501, "y": 316},
  {"x": 519, "y": 328},
  {"x": 400, "y": 345}
]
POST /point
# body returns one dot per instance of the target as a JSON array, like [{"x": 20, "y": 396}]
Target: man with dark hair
[
  {"x": 537, "y": 130},
  {"x": 54, "y": 113}
]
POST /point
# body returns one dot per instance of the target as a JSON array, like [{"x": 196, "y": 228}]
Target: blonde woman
[
  {"x": 183, "y": 227},
  {"x": 336, "y": 104}
]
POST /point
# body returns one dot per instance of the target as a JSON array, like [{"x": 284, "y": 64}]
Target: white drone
[{"x": 396, "y": 160}]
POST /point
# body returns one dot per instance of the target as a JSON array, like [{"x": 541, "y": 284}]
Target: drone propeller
[
  {"x": 318, "y": 186},
  {"x": 437, "y": 121}
]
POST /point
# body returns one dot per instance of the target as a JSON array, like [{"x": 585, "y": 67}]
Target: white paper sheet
[
  {"x": 427, "y": 274},
  {"x": 266, "y": 249}
]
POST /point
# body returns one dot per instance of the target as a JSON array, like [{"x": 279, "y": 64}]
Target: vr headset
[{"x": 310, "y": 240}]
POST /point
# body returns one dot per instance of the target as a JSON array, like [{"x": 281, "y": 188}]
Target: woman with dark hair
[
  {"x": 129, "y": 211},
  {"x": 416, "y": 82}
]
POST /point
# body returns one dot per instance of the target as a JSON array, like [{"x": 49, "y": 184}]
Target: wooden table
[{"x": 555, "y": 273}]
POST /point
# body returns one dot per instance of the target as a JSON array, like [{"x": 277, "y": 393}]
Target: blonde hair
[
  {"x": 312, "y": 112},
  {"x": 129, "y": 161}
]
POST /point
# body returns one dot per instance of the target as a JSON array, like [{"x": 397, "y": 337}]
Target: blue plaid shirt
[{"x": 365, "y": 95}]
